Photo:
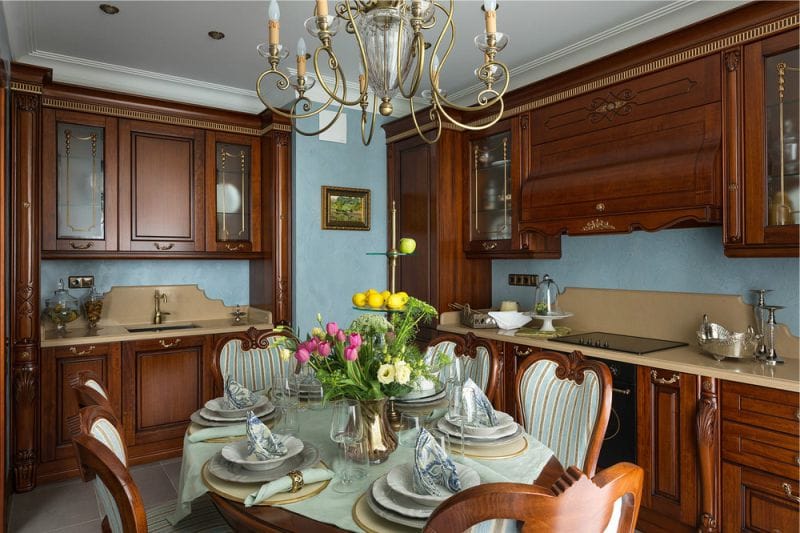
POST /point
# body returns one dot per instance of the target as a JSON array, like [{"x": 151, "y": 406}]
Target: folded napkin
[
  {"x": 481, "y": 412},
  {"x": 237, "y": 395},
  {"x": 261, "y": 443},
  {"x": 219, "y": 432},
  {"x": 284, "y": 484},
  {"x": 433, "y": 469}
]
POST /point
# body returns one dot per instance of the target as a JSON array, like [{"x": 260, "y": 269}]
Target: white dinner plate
[
  {"x": 498, "y": 436},
  {"x": 438, "y": 395},
  {"x": 401, "y": 480},
  {"x": 218, "y": 406},
  {"x": 197, "y": 419},
  {"x": 236, "y": 452},
  {"x": 504, "y": 421},
  {"x": 228, "y": 471},
  {"x": 391, "y": 516},
  {"x": 394, "y": 501},
  {"x": 209, "y": 415}
]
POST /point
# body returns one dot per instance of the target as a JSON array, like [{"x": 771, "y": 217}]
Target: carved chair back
[
  {"x": 89, "y": 390},
  {"x": 481, "y": 360},
  {"x": 608, "y": 503},
  {"x": 564, "y": 401},
  {"x": 103, "y": 457},
  {"x": 250, "y": 357}
]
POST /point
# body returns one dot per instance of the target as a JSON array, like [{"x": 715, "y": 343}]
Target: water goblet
[
  {"x": 410, "y": 425},
  {"x": 346, "y": 430}
]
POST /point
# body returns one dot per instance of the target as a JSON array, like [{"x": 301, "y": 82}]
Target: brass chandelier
[{"x": 392, "y": 46}]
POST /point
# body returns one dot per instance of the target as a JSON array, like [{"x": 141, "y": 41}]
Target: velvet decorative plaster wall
[{"x": 679, "y": 260}]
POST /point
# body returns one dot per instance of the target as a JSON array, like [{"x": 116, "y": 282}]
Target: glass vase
[{"x": 379, "y": 436}]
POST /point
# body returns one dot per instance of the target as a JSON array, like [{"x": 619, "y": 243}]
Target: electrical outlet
[
  {"x": 523, "y": 280},
  {"x": 81, "y": 282}
]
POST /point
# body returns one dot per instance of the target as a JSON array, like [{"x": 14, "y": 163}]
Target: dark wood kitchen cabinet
[
  {"x": 58, "y": 403},
  {"x": 666, "y": 449},
  {"x": 760, "y": 459},
  {"x": 161, "y": 184},
  {"x": 762, "y": 198},
  {"x": 166, "y": 380},
  {"x": 79, "y": 182}
]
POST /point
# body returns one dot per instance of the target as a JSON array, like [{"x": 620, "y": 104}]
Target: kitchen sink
[{"x": 166, "y": 327}]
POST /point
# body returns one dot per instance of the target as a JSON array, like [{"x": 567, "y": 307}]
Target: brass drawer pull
[
  {"x": 522, "y": 352},
  {"x": 626, "y": 392},
  {"x": 169, "y": 344},
  {"x": 84, "y": 246},
  {"x": 787, "y": 489},
  {"x": 87, "y": 351},
  {"x": 661, "y": 381},
  {"x": 234, "y": 247},
  {"x": 600, "y": 207},
  {"x": 489, "y": 245},
  {"x": 163, "y": 247}
]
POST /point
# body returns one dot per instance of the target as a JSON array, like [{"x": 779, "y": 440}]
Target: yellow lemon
[
  {"x": 403, "y": 295},
  {"x": 386, "y": 295},
  {"x": 375, "y": 300},
  {"x": 395, "y": 301},
  {"x": 370, "y": 291},
  {"x": 359, "y": 299}
]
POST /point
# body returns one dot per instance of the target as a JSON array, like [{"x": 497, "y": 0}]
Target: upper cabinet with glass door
[
  {"x": 79, "y": 180},
  {"x": 496, "y": 164},
  {"x": 764, "y": 219},
  {"x": 233, "y": 193}
]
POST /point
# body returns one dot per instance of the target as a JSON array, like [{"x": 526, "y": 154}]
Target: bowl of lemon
[{"x": 385, "y": 301}]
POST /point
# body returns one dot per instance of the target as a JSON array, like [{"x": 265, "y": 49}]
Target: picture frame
[{"x": 345, "y": 208}]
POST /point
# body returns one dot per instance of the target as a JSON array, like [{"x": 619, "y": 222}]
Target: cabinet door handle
[
  {"x": 87, "y": 351},
  {"x": 169, "y": 344},
  {"x": 522, "y": 352},
  {"x": 84, "y": 246},
  {"x": 163, "y": 247},
  {"x": 787, "y": 489},
  {"x": 600, "y": 207},
  {"x": 661, "y": 381},
  {"x": 489, "y": 245},
  {"x": 234, "y": 247},
  {"x": 626, "y": 392}
]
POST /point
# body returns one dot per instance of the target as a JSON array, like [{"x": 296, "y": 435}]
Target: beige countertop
[{"x": 673, "y": 316}]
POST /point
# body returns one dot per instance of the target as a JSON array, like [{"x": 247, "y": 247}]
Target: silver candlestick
[
  {"x": 772, "y": 357},
  {"x": 760, "y": 315}
]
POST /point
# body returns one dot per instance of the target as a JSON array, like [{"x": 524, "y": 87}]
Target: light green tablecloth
[{"x": 336, "y": 508}]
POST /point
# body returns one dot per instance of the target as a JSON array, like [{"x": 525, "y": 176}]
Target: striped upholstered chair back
[
  {"x": 250, "y": 357},
  {"x": 564, "y": 401},
  {"x": 480, "y": 358},
  {"x": 103, "y": 457},
  {"x": 89, "y": 390}
]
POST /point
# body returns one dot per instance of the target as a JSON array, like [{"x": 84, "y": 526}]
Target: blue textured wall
[
  {"x": 227, "y": 280},
  {"x": 330, "y": 265},
  {"x": 682, "y": 260}
]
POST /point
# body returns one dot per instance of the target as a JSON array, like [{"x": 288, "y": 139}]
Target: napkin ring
[{"x": 297, "y": 480}]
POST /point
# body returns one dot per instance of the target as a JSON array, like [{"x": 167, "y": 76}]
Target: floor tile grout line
[{"x": 73, "y": 525}]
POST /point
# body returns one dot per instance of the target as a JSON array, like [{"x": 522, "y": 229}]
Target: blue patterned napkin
[
  {"x": 433, "y": 469},
  {"x": 261, "y": 443},
  {"x": 482, "y": 412},
  {"x": 237, "y": 395}
]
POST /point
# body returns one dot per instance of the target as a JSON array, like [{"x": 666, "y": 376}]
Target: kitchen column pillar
[{"x": 707, "y": 453}]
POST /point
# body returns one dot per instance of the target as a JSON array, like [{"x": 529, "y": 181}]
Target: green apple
[{"x": 407, "y": 246}]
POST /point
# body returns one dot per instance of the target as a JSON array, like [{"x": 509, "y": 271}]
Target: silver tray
[{"x": 720, "y": 343}]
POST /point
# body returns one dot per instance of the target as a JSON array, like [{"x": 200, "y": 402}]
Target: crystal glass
[
  {"x": 263, "y": 50},
  {"x": 289, "y": 422},
  {"x": 545, "y": 301},
  {"x": 346, "y": 430},
  {"x": 62, "y": 308},
  {"x": 312, "y": 25},
  {"x": 482, "y": 41},
  {"x": 461, "y": 410},
  {"x": 284, "y": 384},
  {"x": 382, "y": 37},
  {"x": 410, "y": 424}
]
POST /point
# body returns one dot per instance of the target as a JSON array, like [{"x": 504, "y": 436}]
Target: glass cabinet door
[
  {"x": 233, "y": 192},
  {"x": 491, "y": 188},
  {"x": 80, "y": 205},
  {"x": 782, "y": 123}
]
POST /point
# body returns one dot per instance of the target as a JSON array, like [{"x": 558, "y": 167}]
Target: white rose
[
  {"x": 285, "y": 354},
  {"x": 386, "y": 374},
  {"x": 402, "y": 372}
]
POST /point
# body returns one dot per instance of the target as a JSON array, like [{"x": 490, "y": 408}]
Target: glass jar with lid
[
  {"x": 93, "y": 307},
  {"x": 545, "y": 303},
  {"x": 62, "y": 308}
]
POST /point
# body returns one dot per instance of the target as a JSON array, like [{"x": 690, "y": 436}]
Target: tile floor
[{"x": 72, "y": 506}]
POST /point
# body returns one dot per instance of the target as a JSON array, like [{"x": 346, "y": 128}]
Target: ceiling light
[
  {"x": 108, "y": 9},
  {"x": 216, "y": 35},
  {"x": 390, "y": 38}
]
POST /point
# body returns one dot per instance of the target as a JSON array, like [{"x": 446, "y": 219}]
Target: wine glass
[
  {"x": 346, "y": 430},
  {"x": 461, "y": 409}
]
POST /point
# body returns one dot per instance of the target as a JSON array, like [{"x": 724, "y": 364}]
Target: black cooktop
[{"x": 619, "y": 343}]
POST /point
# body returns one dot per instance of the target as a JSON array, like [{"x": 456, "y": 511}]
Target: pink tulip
[
  {"x": 340, "y": 336},
  {"x": 312, "y": 344},
  {"x": 351, "y": 353},
  {"x": 332, "y": 328},
  {"x": 302, "y": 355},
  {"x": 324, "y": 349},
  {"x": 355, "y": 340}
]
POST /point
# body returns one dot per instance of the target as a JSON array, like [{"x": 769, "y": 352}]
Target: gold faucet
[{"x": 159, "y": 297}]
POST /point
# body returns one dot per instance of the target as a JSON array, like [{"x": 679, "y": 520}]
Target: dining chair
[
  {"x": 250, "y": 357},
  {"x": 89, "y": 390},
  {"x": 607, "y": 503},
  {"x": 103, "y": 457},
  {"x": 564, "y": 401},
  {"x": 481, "y": 360}
]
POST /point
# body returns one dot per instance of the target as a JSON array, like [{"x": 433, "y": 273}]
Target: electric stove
[{"x": 618, "y": 343}]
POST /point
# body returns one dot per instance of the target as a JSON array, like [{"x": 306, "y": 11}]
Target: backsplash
[
  {"x": 681, "y": 260},
  {"x": 225, "y": 280}
]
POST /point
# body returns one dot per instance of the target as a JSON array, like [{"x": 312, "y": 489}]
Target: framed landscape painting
[{"x": 344, "y": 208}]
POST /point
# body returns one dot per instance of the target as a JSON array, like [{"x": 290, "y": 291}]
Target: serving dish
[
  {"x": 720, "y": 343},
  {"x": 238, "y": 452}
]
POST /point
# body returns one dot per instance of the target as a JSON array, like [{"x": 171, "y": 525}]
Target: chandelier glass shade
[{"x": 394, "y": 57}]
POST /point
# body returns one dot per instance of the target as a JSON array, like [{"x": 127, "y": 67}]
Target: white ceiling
[{"x": 161, "y": 48}]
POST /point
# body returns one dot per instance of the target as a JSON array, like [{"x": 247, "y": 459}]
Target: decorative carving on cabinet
[
  {"x": 732, "y": 60},
  {"x": 707, "y": 452},
  {"x": 28, "y": 103},
  {"x": 598, "y": 225},
  {"x": 732, "y": 156},
  {"x": 24, "y": 469},
  {"x": 607, "y": 108},
  {"x": 25, "y": 384}
]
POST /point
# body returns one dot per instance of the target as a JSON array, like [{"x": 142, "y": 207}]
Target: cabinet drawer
[
  {"x": 767, "y": 450},
  {"x": 761, "y": 407},
  {"x": 756, "y": 501}
]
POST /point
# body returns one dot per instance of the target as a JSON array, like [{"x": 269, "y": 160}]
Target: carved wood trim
[
  {"x": 732, "y": 157},
  {"x": 707, "y": 454}
]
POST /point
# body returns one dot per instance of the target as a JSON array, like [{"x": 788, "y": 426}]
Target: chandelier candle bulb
[
  {"x": 301, "y": 57},
  {"x": 322, "y": 8},
  {"x": 274, "y": 14},
  {"x": 490, "y": 7}
]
